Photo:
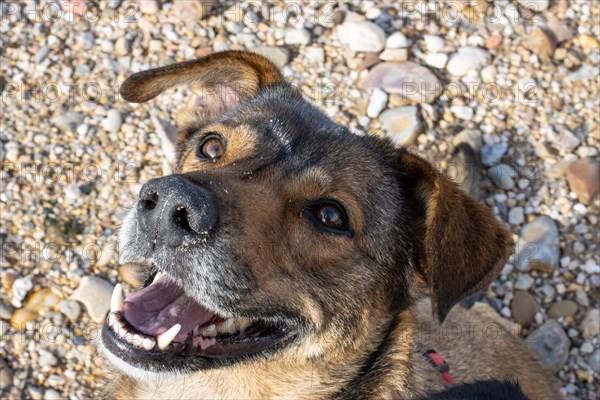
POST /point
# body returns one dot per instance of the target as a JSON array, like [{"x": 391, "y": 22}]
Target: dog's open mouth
[{"x": 162, "y": 324}]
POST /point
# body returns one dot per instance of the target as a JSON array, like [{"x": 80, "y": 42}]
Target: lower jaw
[{"x": 176, "y": 360}]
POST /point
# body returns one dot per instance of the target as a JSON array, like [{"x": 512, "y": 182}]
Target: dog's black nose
[{"x": 172, "y": 210}]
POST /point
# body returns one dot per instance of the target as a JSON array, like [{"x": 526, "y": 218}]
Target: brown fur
[{"x": 358, "y": 297}]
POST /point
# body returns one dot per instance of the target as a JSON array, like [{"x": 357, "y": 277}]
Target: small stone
[
  {"x": 51, "y": 394},
  {"x": 493, "y": 41},
  {"x": 280, "y": 56},
  {"x": 6, "y": 375},
  {"x": 586, "y": 348},
  {"x": 70, "y": 308},
  {"x": 35, "y": 392},
  {"x": 362, "y": 36},
  {"x": 47, "y": 359},
  {"x": 20, "y": 288},
  {"x": 594, "y": 361},
  {"x": 587, "y": 42},
  {"x": 516, "y": 216},
  {"x": 469, "y": 136},
  {"x": 377, "y": 103},
  {"x": 67, "y": 121},
  {"x": 436, "y": 60},
  {"x": 524, "y": 282},
  {"x": 492, "y": 153},
  {"x": 402, "y": 125},
  {"x": 559, "y": 30},
  {"x": 72, "y": 191},
  {"x": 42, "y": 54},
  {"x": 94, "y": 293},
  {"x": 585, "y": 73},
  {"x": 503, "y": 176},
  {"x": 552, "y": 344},
  {"x": 582, "y": 298},
  {"x": 462, "y": 112},
  {"x": 397, "y": 40},
  {"x": 590, "y": 326},
  {"x": 411, "y": 80},
  {"x": 394, "y": 55},
  {"x": 563, "y": 308},
  {"x": 122, "y": 47},
  {"x": 584, "y": 179},
  {"x": 540, "y": 43},
  {"x": 296, "y": 36},
  {"x": 315, "y": 54},
  {"x": 149, "y": 6},
  {"x": 467, "y": 59},
  {"x": 535, "y": 5},
  {"x": 113, "y": 121},
  {"x": 523, "y": 308},
  {"x": 538, "y": 246},
  {"x": 567, "y": 141},
  {"x": 433, "y": 43}
]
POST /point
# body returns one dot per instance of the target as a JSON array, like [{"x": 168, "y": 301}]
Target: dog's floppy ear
[
  {"x": 461, "y": 245},
  {"x": 225, "y": 78}
]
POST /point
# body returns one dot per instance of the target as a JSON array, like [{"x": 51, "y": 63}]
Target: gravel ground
[{"x": 519, "y": 80}]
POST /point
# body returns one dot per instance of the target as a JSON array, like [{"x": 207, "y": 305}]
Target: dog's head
[{"x": 282, "y": 234}]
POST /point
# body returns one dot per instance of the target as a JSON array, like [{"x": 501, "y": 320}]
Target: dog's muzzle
[{"x": 172, "y": 210}]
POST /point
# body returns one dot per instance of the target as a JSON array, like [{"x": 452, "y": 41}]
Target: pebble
[
  {"x": 524, "y": 282},
  {"x": 47, "y": 359},
  {"x": 297, "y": 36},
  {"x": 51, "y": 394},
  {"x": 563, "y": 308},
  {"x": 70, "y": 308},
  {"x": 149, "y": 6},
  {"x": 470, "y": 136},
  {"x": 560, "y": 30},
  {"x": 394, "y": 55},
  {"x": 6, "y": 310},
  {"x": 411, "y": 80},
  {"x": 315, "y": 54},
  {"x": 113, "y": 121},
  {"x": 492, "y": 153},
  {"x": 94, "y": 293},
  {"x": 523, "y": 308},
  {"x": 402, "y": 124},
  {"x": 377, "y": 103},
  {"x": 567, "y": 141},
  {"x": 535, "y": 5},
  {"x": 503, "y": 176},
  {"x": 433, "y": 43},
  {"x": 590, "y": 326},
  {"x": 280, "y": 56},
  {"x": 584, "y": 179},
  {"x": 397, "y": 40},
  {"x": 20, "y": 289},
  {"x": 122, "y": 47},
  {"x": 594, "y": 361},
  {"x": 516, "y": 216},
  {"x": 67, "y": 121},
  {"x": 362, "y": 36},
  {"x": 540, "y": 43},
  {"x": 538, "y": 245},
  {"x": 467, "y": 59},
  {"x": 6, "y": 375},
  {"x": 436, "y": 60},
  {"x": 462, "y": 112},
  {"x": 552, "y": 344}
]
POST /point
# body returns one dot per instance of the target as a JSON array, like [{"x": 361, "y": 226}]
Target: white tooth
[
  {"x": 158, "y": 275},
  {"x": 242, "y": 323},
  {"x": 227, "y": 326},
  {"x": 165, "y": 339},
  {"x": 137, "y": 340},
  {"x": 116, "y": 301},
  {"x": 209, "y": 331},
  {"x": 111, "y": 319},
  {"x": 148, "y": 344}
]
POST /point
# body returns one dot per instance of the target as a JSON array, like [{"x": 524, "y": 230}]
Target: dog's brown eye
[
  {"x": 328, "y": 216},
  {"x": 211, "y": 148}
]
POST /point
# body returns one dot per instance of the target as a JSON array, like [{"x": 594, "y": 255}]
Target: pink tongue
[{"x": 155, "y": 309}]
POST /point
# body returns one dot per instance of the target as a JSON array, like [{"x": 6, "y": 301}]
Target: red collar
[{"x": 439, "y": 364}]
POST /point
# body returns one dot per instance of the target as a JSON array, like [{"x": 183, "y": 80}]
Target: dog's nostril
[
  {"x": 180, "y": 217},
  {"x": 150, "y": 204}
]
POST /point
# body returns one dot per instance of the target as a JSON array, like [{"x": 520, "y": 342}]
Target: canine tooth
[
  {"x": 158, "y": 275},
  {"x": 227, "y": 326},
  {"x": 111, "y": 319},
  {"x": 164, "y": 339},
  {"x": 116, "y": 301},
  {"x": 209, "y": 331},
  {"x": 242, "y": 323},
  {"x": 148, "y": 344}
]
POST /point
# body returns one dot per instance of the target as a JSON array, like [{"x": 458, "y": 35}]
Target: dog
[{"x": 288, "y": 257}]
